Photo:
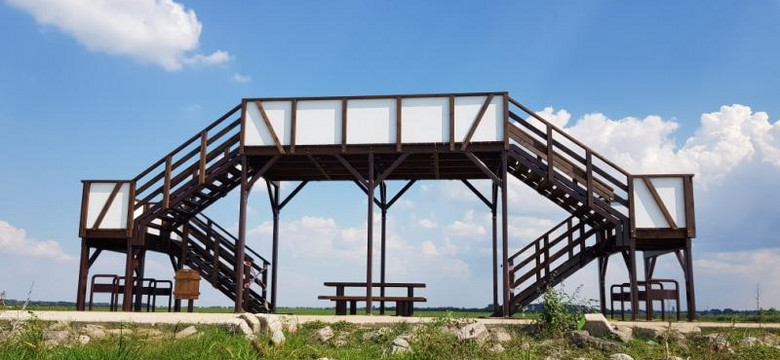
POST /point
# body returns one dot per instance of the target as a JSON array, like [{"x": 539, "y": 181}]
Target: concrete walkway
[{"x": 230, "y": 319}]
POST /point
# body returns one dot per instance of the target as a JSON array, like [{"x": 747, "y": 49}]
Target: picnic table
[{"x": 404, "y": 304}]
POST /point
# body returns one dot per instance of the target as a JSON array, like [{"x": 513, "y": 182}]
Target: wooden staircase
[
  {"x": 583, "y": 183},
  {"x": 172, "y": 194}
]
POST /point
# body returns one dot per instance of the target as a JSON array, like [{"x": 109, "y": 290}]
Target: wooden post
[
  {"x": 370, "y": 232},
  {"x": 505, "y": 236},
  {"x": 127, "y": 298},
  {"x": 139, "y": 281},
  {"x": 81, "y": 294},
  {"x": 493, "y": 212},
  {"x": 633, "y": 282},
  {"x": 603, "y": 263},
  {"x": 275, "y": 244},
  {"x": 383, "y": 245},
  {"x": 690, "y": 294},
  {"x": 239, "y": 261}
]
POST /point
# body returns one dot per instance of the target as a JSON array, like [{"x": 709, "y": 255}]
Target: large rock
[
  {"x": 253, "y": 322},
  {"x": 96, "y": 332},
  {"x": 500, "y": 335},
  {"x": 54, "y": 338},
  {"x": 718, "y": 342},
  {"x": 323, "y": 335},
  {"x": 750, "y": 341},
  {"x": 598, "y": 325},
  {"x": 187, "y": 332},
  {"x": 277, "y": 338},
  {"x": 475, "y": 332},
  {"x": 377, "y": 335},
  {"x": 400, "y": 346},
  {"x": 243, "y": 327},
  {"x": 270, "y": 323},
  {"x": 583, "y": 339}
]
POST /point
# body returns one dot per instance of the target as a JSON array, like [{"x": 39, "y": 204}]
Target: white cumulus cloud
[
  {"x": 161, "y": 32},
  {"x": 15, "y": 241}
]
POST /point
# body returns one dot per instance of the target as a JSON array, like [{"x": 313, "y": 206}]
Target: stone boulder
[
  {"x": 323, "y": 335},
  {"x": 474, "y": 332},
  {"x": 186, "y": 332},
  {"x": 500, "y": 335},
  {"x": 400, "y": 346},
  {"x": 277, "y": 338},
  {"x": 583, "y": 339},
  {"x": 598, "y": 325}
]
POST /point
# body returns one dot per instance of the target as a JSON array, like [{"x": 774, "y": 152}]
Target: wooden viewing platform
[{"x": 372, "y": 140}]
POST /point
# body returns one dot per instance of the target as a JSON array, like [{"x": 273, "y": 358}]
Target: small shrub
[{"x": 559, "y": 314}]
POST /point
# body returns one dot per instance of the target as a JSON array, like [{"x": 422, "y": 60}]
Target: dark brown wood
[
  {"x": 392, "y": 167},
  {"x": 452, "y": 122},
  {"x": 507, "y": 305},
  {"x": 166, "y": 203},
  {"x": 398, "y": 123},
  {"x": 81, "y": 293},
  {"x": 202, "y": 161},
  {"x": 370, "y": 233},
  {"x": 481, "y": 166},
  {"x": 293, "y": 124},
  {"x": 344, "y": 125},
  {"x": 270, "y": 127},
  {"x": 84, "y": 204},
  {"x": 690, "y": 214},
  {"x": 659, "y": 202},
  {"x": 475, "y": 123},
  {"x": 319, "y": 167},
  {"x": 238, "y": 265}
]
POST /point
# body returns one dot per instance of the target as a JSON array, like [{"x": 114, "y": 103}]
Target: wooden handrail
[
  {"x": 183, "y": 145},
  {"x": 567, "y": 136}
]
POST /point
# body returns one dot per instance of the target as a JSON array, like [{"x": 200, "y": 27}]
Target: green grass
[{"x": 429, "y": 343}]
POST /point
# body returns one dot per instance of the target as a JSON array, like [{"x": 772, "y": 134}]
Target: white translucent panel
[
  {"x": 491, "y": 127},
  {"x": 371, "y": 121},
  {"x": 318, "y": 122},
  {"x": 648, "y": 214},
  {"x": 279, "y": 115},
  {"x": 425, "y": 120},
  {"x": 116, "y": 216}
]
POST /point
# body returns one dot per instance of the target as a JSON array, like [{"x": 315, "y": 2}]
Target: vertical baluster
[
  {"x": 550, "y": 160},
  {"x": 589, "y": 176},
  {"x": 202, "y": 167},
  {"x": 538, "y": 261},
  {"x": 167, "y": 184}
]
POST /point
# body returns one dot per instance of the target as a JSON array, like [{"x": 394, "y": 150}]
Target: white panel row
[
  {"x": 648, "y": 214},
  {"x": 373, "y": 121}
]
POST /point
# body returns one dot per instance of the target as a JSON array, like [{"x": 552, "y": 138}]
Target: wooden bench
[
  {"x": 404, "y": 304},
  {"x": 657, "y": 289}
]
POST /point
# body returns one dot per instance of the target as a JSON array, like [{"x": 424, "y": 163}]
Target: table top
[{"x": 376, "y": 284}]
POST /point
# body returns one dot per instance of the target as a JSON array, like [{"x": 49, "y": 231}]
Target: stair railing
[
  {"x": 190, "y": 160},
  {"x": 542, "y": 256},
  {"x": 605, "y": 184}
]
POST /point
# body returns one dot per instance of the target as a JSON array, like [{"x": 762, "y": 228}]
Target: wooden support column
[
  {"x": 81, "y": 294},
  {"x": 185, "y": 243},
  {"x": 505, "y": 237},
  {"x": 494, "y": 218},
  {"x": 127, "y": 298},
  {"x": 633, "y": 281},
  {"x": 370, "y": 233},
  {"x": 139, "y": 281},
  {"x": 383, "y": 245},
  {"x": 690, "y": 294},
  {"x": 240, "y": 244},
  {"x": 603, "y": 263},
  {"x": 273, "y": 194}
]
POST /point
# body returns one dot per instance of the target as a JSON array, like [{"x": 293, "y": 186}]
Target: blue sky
[{"x": 85, "y": 93}]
